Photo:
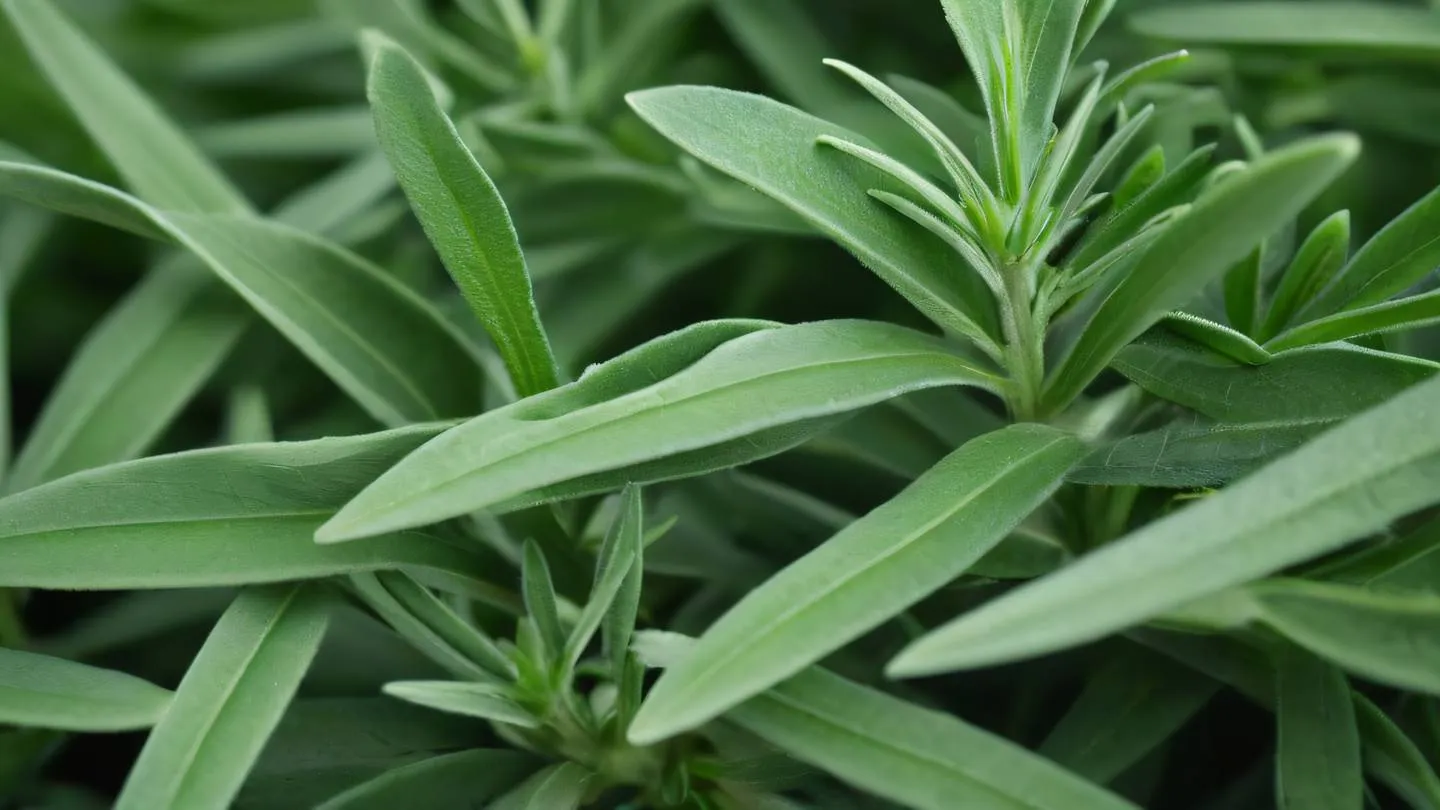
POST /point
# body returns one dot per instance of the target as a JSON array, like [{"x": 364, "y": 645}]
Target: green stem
[{"x": 1024, "y": 349}]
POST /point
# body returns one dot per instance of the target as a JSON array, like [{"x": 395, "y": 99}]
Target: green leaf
[
  {"x": 617, "y": 556},
  {"x": 1318, "y": 743},
  {"x": 894, "y": 749},
  {"x": 438, "y": 618},
  {"x": 1221, "y": 338},
  {"x": 447, "y": 782},
  {"x": 483, "y": 700},
  {"x": 1224, "y": 224},
  {"x": 229, "y": 701},
  {"x": 407, "y": 22},
  {"x": 868, "y": 573},
  {"x": 1388, "y": 31},
  {"x": 1400, "y": 255},
  {"x": 1130, "y": 705},
  {"x": 1389, "y": 637},
  {"x": 540, "y": 602},
  {"x": 1319, "y": 258},
  {"x": 309, "y": 132},
  {"x": 224, "y": 516},
  {"x": 1194, "y": 453},
  {"x": 45, "y": 692},
  {"x": 461, "y": 211},
  {"x": 630, "y": 49},
  {"x": 1393, "y": 758},
  {"x": 386, "y": 347},
  {"x": 1342, "y": 485},
  {"x": 135, "y": 371},
  {"x": 630, "y": 411},
  {"x": 1414, "y": 312},
  {"x": 138, "y": 368},
  {"x": 1316, "y": 382},
  {"x": 558, "y": 787},
  {"x": 777, "y": 154},
  {"x": 156, "y": 159}
]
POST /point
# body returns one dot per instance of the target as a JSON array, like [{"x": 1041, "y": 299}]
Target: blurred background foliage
[{"x": 627, "y": 240}]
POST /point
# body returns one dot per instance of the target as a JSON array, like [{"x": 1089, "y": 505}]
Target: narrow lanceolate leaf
[
  {"x": 558, "y": 787},
  {"x": 229, "y": 701},
  {"x": 1195, "y": 452},
  {"x": 616, "y": 560},
  {"x": 1316, "y": 262},
  {"x": 147, "y": 358},
  {"x": 1391, "y": 637},
  {"x": 1400, "y": 255},
  {"x": 1128, "y": 708},
  {"x": 165, "y": 522},
  {"x": 868, "y": 573},
  {"x": 461, "y": 212},
  {"x": 1318, "y": 744},
  {"x": 157, "y": 161},
  {"x": 706, "y": 387},
  {"x": 1389, "y": 316},
  {"x": 1314, "y": 382},
  {"x": 45, "y": 692},
  {"x": 458, "y": 780},
  {"x": 1393, "y": 31},
  {"x": 385, "y": 346},
  {"x": 1223, "y": 225},
  {"x": 883, "y": 745},
  {"x": 1219, "y": 337},
  {"x": 1342, "y": 485},
  {"x": 773, "y": 148},
  {"x": 540, "y": 601},
  {"x": 482, "y": 700}
]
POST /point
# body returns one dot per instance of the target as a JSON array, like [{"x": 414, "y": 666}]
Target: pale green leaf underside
[
  {"x": 45, "y": 692},
  {"x": 722, "y": 392}
]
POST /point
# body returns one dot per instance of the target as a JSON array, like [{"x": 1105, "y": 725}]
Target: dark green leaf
[
  {"x": 1194, "y": 453},
  {"x": 448, "y": 782},
  {"x": 1318, "y": 743}
]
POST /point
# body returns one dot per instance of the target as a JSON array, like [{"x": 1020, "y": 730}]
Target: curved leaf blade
[
  {"x": 1342, "y": 485},
  {"x": 45, "y": 692},
  {"x": 871, "y": 571},
  {"x": 482, "y": 700},
  {"x": 1405, "y": 251},
  {"x": 457, "y": 781},
  {"x": 778, "y": 155},
  {"x": 224, "y": 516},
  {"x": 757, "y": 382},
  {"x": 1220, "y": 228},
  {"x": 229, "y": 701},
  {"x": 461, "y": 211}
]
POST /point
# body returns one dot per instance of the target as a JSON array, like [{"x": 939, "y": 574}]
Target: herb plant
[{"x": 473, "y": 439}]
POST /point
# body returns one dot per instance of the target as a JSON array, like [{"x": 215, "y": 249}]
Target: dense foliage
[{"x": 631, "y": 404}]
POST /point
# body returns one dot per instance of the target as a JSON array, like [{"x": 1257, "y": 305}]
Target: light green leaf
[
  {"x": 1400, "y": 255},
  {"x": 461, "y": 211},
  {"x": 1318, "y": 743},
  {"x": 558, "y": 787},
  {"x": 139, "y": 367},
  {"x": 871, "y": 571},
  {"x": 1387, "y": 31},
  {"x": 540, "y": 602},
  {"x": 447, "y": 782},
  {"x": 45, "y": 692},
  {"x": 230, "y": 515},
  {"x": 156, "y": 159},
  {"x": 1315, "y": 382},
  {"x": 924, "y": 759},
  {"x": 1390, "y": 637},
  {"x": 1046, "y": 40},
  {"x": 664, "y": 400},
  {"x": 1414, "y": 312},
  {"x": 404, "y": 364},
  {"x": 1130, "y": 705},
  {"x": 306, "y": 133},
  {"x": 431, "y": 628},
  {"x": 1224, "y": 224},
  {"x": 1221, "y": 338},
  {"x": 1315, "y": 263},
  {"x": 229, "y": 701},
  {"x": 483, "y": 700},
  {"x": 1194, "y": 453},
  {"x": 777, "y": 154},
  {"x": 616, "y": 559},
  {"x": 1342, "y": 485}
]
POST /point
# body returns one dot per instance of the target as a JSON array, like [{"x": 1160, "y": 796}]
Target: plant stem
[{"x": 1024, "y": 350}]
